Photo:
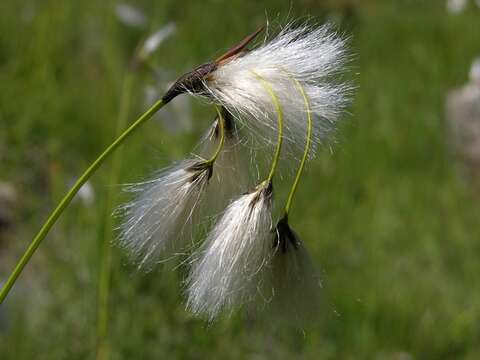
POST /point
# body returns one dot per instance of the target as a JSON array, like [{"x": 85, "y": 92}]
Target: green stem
[
  {"x": 276, "y": 102},
  {"x": 69, "y": 196},
  {"x": 221, "y": 124},
  {"x": 105, "y": 250},
  {"x": 307, "y": 147}
]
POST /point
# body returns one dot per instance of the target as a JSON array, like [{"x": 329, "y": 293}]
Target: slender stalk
[
  {"x": 105, "y": 263},
  {"x": 70, "y": 195},
  {"x": 221, "y": 124},
  {"x": 278, "y": 107},
  {"x": 307, "y": 147}
]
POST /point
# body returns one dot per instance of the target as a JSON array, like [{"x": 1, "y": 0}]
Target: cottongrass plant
[
  {"x": 303, "y": 54},
  {"x": 287, "y": 92},
  {"x": 233, "y": 269}
]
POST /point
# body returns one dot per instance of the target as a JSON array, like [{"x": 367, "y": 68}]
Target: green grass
[{"x": 388, "y": 219}]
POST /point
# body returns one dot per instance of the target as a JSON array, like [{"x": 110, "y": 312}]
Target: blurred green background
[{"x": 389, "y": 220}]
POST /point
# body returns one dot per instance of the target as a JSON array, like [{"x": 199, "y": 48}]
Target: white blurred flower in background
[
  {"x": 130, "y": 15},
  {"x": 86, "y": 194},
  {"x": 157, "y": 38},
  {"x": 456, "y": 6},
  {"x": 475, "y": 70},
  {"x": 177, "y": 118},
  {"x": 8, "y": 200},
  {"x": 463, "y": 117}
]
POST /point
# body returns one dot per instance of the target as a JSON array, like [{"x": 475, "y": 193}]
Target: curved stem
[
  {"x": 69, "y": 196},
  {"x": 307, "y": 147},
  {"x": 221, "y": 125},
  {"x": 278, "y": 107}
]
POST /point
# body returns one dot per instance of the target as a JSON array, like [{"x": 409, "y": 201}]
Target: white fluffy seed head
[
  {"x": 158, "y": 221},
  {"x": 291, "y": 290},
  {"x": 311, "y": 56},
  {"x": 226, "y": 273}
]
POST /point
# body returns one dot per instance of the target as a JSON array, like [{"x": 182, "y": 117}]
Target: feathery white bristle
[
  {"x": 236, "y": 250},
  {"x": 292, "y": 288},
  {"x": 156, "y": 223},
  {"x": 313, "y": 56}
]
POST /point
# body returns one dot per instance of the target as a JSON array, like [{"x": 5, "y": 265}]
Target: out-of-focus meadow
[{"x": 388, "y": 217}]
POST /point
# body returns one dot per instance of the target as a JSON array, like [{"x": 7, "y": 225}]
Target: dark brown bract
[
  {"x": 194, "y": 81},
  {"x": 285, "y": 236}
]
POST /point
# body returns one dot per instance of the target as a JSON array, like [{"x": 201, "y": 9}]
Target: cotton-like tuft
[
  {"x": 227, "y": 271},
  {"x": 313, "y": 57},
  {"x": 163, "y": 219},
  {"x": 292, "y": 290},
  {"x": 158, "y": 222}
]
